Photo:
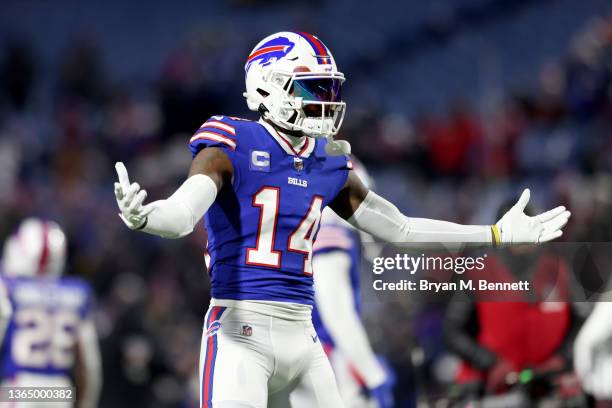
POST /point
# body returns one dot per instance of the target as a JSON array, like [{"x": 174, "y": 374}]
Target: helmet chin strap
[
  {"x": 337, "y": 147},
  {"x": 296, "y": 137}
]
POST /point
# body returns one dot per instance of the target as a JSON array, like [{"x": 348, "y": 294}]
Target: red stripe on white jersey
[
  {"x": 332, "y": 237},
  {"x": 219, "y": 125},
  {"x": 215, "y": 137},
  {"x": 332, "y": 229},
  {"x": 342, "y": 243}
]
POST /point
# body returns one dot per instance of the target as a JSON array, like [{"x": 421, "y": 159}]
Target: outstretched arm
[
  {"x": 373, "y": 214},
  {"x": 177, "y": 215}
]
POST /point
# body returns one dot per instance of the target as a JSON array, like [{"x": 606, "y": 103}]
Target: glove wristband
[
  {"x": 495, "y": 236},
  {"x": 144, "y": 224}
]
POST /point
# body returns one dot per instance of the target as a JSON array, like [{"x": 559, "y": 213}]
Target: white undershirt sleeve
[
  {"x": 335, "y": 302},
  {"x": 91, "y": 362},
  {"x": 177, "y": 215},
  {"x": 384, "y": 221}
]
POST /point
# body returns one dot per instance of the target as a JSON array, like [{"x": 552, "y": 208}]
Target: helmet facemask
[
  {"x": 292, "y": 80},
  {"x": 304, "y": 101}
]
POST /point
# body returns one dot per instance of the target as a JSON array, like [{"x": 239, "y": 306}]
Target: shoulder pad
[{"x": 217, "y": 129}]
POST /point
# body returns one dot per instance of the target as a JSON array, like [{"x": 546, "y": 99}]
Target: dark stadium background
[{"x": 454, "y": 106}]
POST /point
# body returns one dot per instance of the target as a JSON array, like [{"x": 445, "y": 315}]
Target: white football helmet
[
  {"x": 293, "y": 81},
  {"x": 37, "y": 249}
]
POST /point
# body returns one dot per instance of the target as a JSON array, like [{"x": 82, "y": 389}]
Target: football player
[
  {"x": 46, "y": 328},
  {"x": 262, "y": 186},
  {"x": 336, "y": 261},
  {"x": 593, "y": 351}
]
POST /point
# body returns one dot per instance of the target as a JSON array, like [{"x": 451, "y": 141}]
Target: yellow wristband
[{"x": 496, "y": 238}]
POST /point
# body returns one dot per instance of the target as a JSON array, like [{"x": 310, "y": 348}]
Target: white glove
[
  {"x": 129, "y": 199},
  {"x": 592, "y": 358},
  {"x": 515, "y": 227}
]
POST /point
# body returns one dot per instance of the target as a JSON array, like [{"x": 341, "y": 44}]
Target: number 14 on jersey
[{"x": 267, "y": 199}]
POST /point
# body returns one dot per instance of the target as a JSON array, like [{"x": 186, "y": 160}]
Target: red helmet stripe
[
  {"x": 318, "y": 46},
  {"x": 265, "y": 50},
  {"x": 43, "y": 261}
]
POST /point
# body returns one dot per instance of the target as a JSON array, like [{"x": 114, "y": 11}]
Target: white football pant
[{"x": 250, "y": 359}]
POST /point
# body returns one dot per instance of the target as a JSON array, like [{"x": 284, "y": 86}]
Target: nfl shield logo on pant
[{"x": 247, "y": 331}]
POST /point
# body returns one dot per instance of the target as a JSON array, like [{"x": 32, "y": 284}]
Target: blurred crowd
[
  {"x": 554, "y": 137},
  {"x": 57, "y": 156}
]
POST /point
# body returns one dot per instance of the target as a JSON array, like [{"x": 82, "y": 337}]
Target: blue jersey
[
  {"x": 261, "y": 228},
  {"x": 41, "y": 334},
  {"x": 335, "y": 237}
]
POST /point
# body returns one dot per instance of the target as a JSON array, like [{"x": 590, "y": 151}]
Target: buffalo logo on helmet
[{"x": 270, "y": 51}]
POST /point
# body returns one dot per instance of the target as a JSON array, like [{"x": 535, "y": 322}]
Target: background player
[
  {"x": 262, "y": 186},
  {"x": 482, "y": 330},
  {"x": 337, "y": 255},
  {"x": 47, "y": 331},
  {"x": 593, "y": 349}
]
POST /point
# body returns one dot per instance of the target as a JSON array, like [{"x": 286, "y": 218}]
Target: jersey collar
[{"x": 304, "y": 149}]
